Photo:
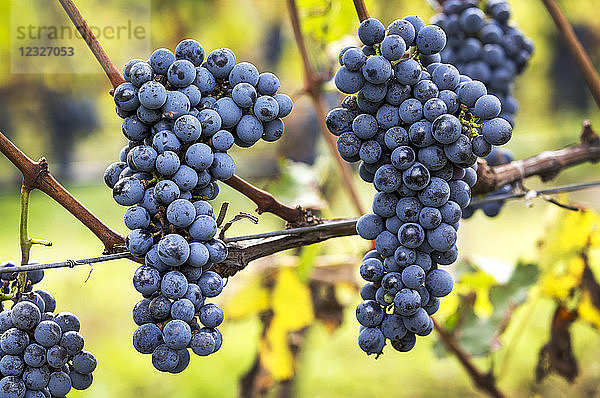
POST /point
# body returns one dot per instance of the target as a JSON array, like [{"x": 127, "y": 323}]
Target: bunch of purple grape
[
  {"x": 181, "y": 115},
  {"x": 10, "y": 281},
  {"x": 416, "y": 132},
  {"x": 485, "y": 45},
  {"x": 41, "y": 352}
]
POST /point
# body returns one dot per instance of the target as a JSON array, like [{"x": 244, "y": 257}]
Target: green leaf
[
  {"x": 476, "y": 333},
  {"x": 515, "y": 290}
]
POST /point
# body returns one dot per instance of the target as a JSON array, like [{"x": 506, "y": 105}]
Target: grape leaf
[
  {"x": 249, "y": 299},
  {"x": 292, "y": 310},
  {"x": 479, "y": 334}
]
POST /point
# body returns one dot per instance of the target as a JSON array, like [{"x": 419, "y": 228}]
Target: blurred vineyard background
[{"x": 296, "y": 310}]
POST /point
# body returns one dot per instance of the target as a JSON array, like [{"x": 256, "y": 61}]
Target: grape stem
[
  {"x": 484, "y": 381},
  {"x": 313, "y": 86},
  {"x": 26, "y": 243},
  {"x": 267, "y": 203},
  {"x": 361, "y": 10},
  {"x": 109, "y": 68},
  {"x": 579, "y": 54}
]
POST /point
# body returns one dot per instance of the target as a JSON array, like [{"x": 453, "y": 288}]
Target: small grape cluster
[
  {"x": 41, "y": 353},
  {"x": 497, "y": 157},
  {"x": 181, "y": 115},
  {"x": 483, "y": 44},
  {"x": 10, "y": 283},
  {"x": 417, "y": 133}
]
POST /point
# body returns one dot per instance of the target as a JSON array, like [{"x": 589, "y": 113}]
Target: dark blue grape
[
  {"x": 386, "y": 243},
  {"x": 220, "y": 62},
  {"x": 164, "y": 358},
  {"x": 205, "y": 81},
  {"x": 68, "y": 322},
  {"x": 80, "y": 381},
  {"x": 160, "y": 60},
  {"x": 47, "y": 333},
  {"x": 472, "y": 20},
  {"x": 160, "y": 308},
  {"x": 229, "y": 112},
  {"x": 176, "y": 105},
  {"x": 190, "y": 50},
  {"x": 134, "y": 129},
  {"x": 369, "y": 226},
  {"x": 411, "y": 110},
  {"x": 369, "y": 313},
  {"x": 371, "y": 270},
  {"x": 439, "y": 283},
  {"x": 367, "y": 292},
  {"x": 419, "y": 323},
  {"x": 177, "y": 334},
  {"x": 25, "y": 315},
  {"x": 407, "y": 302},
  {"x": 211, "y": 315},
  {"x": 411, "y": 235},
  {"x": 347, "y": 81},
  {"x": 57, "y": 357},
  {"x": 211, "y": 284},
  {"x": 140, "y": 73},
  {"x": 431, "y": 39},
  {"x": 59, "y": 384},
  {"x": 497, "y": 131},
  {"x": 371, "y": 340},
  {"x": 413, "y": 276},
  {"x": 126, "y": 97},
  {"x": 387, "y": 178},
  {"x": 371, "y": 31},
  {"x": 404, "y": 29},
  {"x": 203, "y": 343},
  {"x": 244, "y": 72},
  {"x": 446, "y": 129},
  {"x": 353, "y": 59},
  {"x": 268, "y": 84},
  {"x": 85, "y": 362}
]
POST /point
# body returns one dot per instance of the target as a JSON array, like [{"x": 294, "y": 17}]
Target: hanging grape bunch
[
  {"x": 41, "y": 352},
  {"x": 181, "y": 116},
  {"x": 417, "y": 133},
  {"x": 485, "y": 45}
]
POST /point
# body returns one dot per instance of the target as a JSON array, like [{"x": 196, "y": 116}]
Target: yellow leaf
[
  {"x": 558, "y": 281},
  {"x": 481, "y": 283},
  {"x": 587, "y": 311},
  {"x": 292, "y": 310},
  {"x": 568, "y": 236},
  {"x": 250, "y": 299},
  {"x": 291, "y": 301},
  {"x": 275, "y": 354}
]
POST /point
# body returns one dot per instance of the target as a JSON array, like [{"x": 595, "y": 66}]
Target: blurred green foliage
[{"x": 329, "y": 363}]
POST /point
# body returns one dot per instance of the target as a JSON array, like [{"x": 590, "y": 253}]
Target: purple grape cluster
[
  {"x": 182, "y": 114},
  {"x": 10, "y": 279},
  {"x": 484, "y": 44},
  {"x": 417, "y": 133},
  {"x": 41, "y": 353}
]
